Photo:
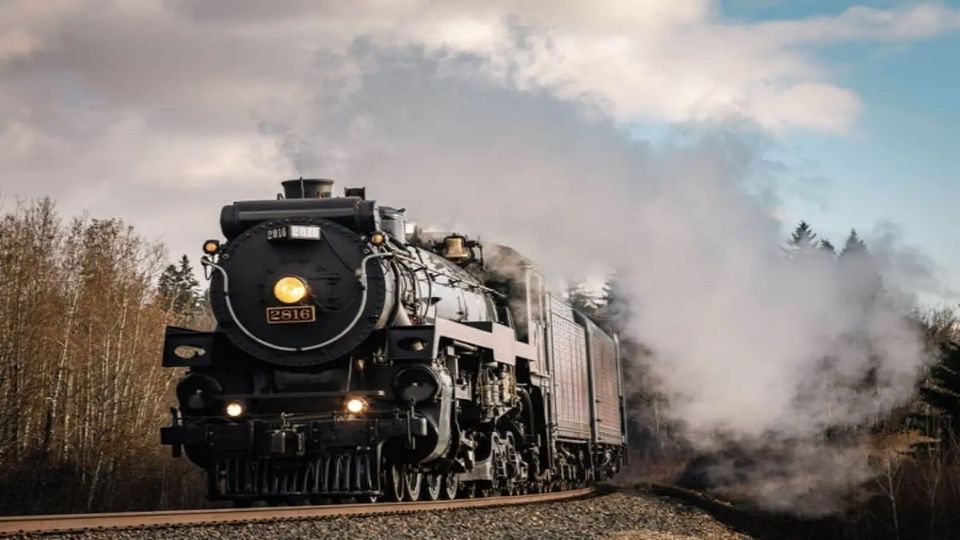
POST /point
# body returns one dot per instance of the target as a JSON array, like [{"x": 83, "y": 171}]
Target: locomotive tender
[{"x": 353, "y": 360}]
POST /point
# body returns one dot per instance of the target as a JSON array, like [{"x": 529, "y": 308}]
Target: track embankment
[
  {"x": 604, "y": 513},
  {"x": 81, "y": 522},
  {"x": 750, "y": 520}
]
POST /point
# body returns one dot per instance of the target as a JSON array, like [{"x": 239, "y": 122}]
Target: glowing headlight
[
  {"x": 211, "y": 247},
  {"x": 355, "y": 405},
  {"x": 290, "y": 290},
  {"x": 234, "y": 409}
]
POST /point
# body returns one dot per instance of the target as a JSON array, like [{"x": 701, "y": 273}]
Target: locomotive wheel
[
  {"x": 411, "y": 486},
  {"x": 431, "y": 486},
  {"x": 450, "y": 486},
  {"x": 393, "y": 484}
]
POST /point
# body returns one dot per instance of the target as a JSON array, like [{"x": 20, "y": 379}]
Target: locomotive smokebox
[{"x": 303, "y": 188}]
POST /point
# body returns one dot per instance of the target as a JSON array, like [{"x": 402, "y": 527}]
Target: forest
[
  {"x": 82, "y": 393},
  {"x": 83, "y": 306}
]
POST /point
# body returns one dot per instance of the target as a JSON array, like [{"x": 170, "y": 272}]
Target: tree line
[{"x": 82, "y": 393}]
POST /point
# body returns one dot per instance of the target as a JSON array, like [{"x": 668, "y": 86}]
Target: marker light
[
  {"x": 234, "y": 409},
  {"x": 355, "y": 405},
  {"x": 378, "y": 238},
  {"x": 211, "y": 247},
  {"x": 290, "y": 290}
]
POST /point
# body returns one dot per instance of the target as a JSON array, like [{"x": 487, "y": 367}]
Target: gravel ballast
[{"x": 622, "y": 515}]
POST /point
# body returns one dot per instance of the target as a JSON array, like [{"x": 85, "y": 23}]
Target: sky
[
  {"x": 159, "y": 112},
  {"x": 897, "y": 164}
]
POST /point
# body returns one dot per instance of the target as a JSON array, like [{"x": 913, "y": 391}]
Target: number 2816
[{"x": 291, "y": 314}]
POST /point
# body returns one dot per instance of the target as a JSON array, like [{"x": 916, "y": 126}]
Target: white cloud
[
  {"x": 180, "y": 89},
  {"x": 675, "y": 61}
]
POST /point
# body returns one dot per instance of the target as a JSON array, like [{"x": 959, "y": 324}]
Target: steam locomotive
[{"x": 354, "y": 360}]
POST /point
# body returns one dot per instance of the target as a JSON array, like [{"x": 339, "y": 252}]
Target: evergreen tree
[
  {"x": 854, "y": 244},
  {"x": 802, "y": 241},
  {"x": 581, "y": 300},
  {"x": 178, "y": 288},
  {"x": 615, "y": 311},
  {"x": 803, "y": 236},
  {"x": 827, "y": 246},
  {"x": 943, "y": 389},
  {"x": 863, "y": 281}
]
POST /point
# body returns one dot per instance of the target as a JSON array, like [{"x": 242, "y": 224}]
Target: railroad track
[{"x": 133, "y": 520}]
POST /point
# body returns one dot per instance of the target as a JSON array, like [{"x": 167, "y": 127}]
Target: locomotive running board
[{"x": 497, "y": 338}]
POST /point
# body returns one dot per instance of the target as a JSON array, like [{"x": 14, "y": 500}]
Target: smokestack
[{"x": 302, "y": 188}]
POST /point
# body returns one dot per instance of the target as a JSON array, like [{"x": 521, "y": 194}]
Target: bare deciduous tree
[{"x": 82, "y": 394}]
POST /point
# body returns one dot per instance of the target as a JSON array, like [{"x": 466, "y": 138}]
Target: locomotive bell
[
  {"x": 455, "y": 249},
  {"x": 304, "y": 188}
]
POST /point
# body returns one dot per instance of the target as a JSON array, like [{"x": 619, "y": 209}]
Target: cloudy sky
[{"x": 161, "y": 111}]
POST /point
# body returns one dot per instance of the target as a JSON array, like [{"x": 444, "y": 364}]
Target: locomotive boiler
[{"x": 354, "y": 360}]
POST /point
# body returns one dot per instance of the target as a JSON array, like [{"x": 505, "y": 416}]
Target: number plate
[{"x": 291, "y": 314}]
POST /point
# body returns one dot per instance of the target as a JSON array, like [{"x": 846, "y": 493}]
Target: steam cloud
[{"x": 750, "y": 346}]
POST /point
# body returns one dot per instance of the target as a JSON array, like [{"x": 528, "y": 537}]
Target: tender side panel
[
  {"x": 571, "y": 390},
  {"x": 602, "y": 350}
]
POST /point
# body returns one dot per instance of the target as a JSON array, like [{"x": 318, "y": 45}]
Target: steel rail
[{"x": 12, "y": 525}]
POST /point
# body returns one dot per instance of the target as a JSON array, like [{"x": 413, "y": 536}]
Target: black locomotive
[{"x": 354, "y": 360}]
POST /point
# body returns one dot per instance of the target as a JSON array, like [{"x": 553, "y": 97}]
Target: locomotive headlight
[
  {"x": 234, "y": 409},
  {"x": 355, "y": 405},
  {"x": 290, "y": 290}
]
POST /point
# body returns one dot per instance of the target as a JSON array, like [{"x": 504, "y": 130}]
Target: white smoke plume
[{"x": 750, "y": 346}]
